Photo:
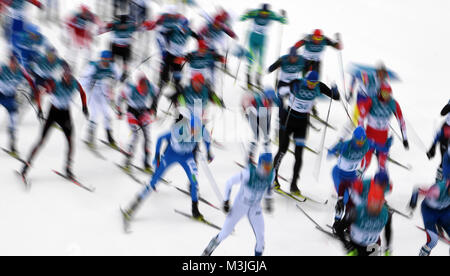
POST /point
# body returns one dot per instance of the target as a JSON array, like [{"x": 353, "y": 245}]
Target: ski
[
  {"x": 317, "y": 118},
  {"x": 440, "y": 235},
  {"x": 114, "y": 147},
  {"x": 202, "y": 219},
  {"x": 406, "y": 167},
  {"x": 318, "y": 227},
  {"x": 288, "y": 195},
  {"x": 129, "y": 173},
  {"x": 199, "y": 198},
  {"x": 74, "y": 181},
  {"x": 94, "y": 150},
  {"x": 24, "y": 180},
  {"x": 395, "y": 211},
  {"x": 150, "y": 172},
  {"x": 14, "y": 155},
  {"x": 291, "y": 151}
]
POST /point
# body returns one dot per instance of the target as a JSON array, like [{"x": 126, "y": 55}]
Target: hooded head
[{"x": 265, "y": 163}]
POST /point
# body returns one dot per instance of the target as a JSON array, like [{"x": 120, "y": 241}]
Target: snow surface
[{"x": 58, "y": 218}]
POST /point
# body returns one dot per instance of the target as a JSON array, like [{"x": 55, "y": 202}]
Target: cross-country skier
[
  {"x": 442, "y": 137},
  {"x": 261, "y": 21},
  {"x": 256, "y": 184},
  {"x": 17, "y": 13},
  {"x": 294, "y": 119},
  {"x": 315, "y": 44},
  {"x": 257, "y": 109},
  {"x": 11, "y": 75},
  {"x": 291, "y": 66},
  {"x": 378, "y": 111},
  {"x": 204, "y": 61},
  {"x": 435, "y": 211},
  {"x": 95, "y": 81},
  {"x": 350, "y": 154},
  {"x": 214, "y": 30},
  {"x": 59, "y": 113},
  {"x": 27, "y": 43},
  {"x": 365, "y": 220},
  {"x": 367, "y": 82},
  {"x": 141, "y": 101},
  {"x": 183, "y": 140}
]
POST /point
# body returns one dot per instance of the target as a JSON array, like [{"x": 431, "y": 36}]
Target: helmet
[
  {"x": 265, "y": 158},
  {"x": 359, "y": 136},
  {"x": 312, "y": 76},
  {"x": 106, "y": 54},
  {"x": 222, "y": 16},
  {"x": 382, "y": 178},
  {"x": 143, "y": 85},
  {"x": 293, "y": 51},
  {"x": 317, "y": 35},
  {"x": 375, "y": 199},
  {"x": 265, "y": 7},
  {"x": 198, "y": 77}
]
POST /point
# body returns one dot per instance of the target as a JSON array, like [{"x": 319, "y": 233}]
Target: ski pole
[
  {"x": 211, "y": 179},
  {"x": 322, "y": 143}
]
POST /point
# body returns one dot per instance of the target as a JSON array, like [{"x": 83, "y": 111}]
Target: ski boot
[
  {"x": 69, "y": 173},
  {"x": 425, "y": 251},
  {"x": 195, "y": 212},
  {"x": 211, "y": 247},
  {"x": 147, "y": 167},
  {"x": 387, "y": 252},
  {"x": 294, "y": 190},
  {"x": 127, "y": 213},
  {"x": 276, "y": 183},
  {"x": 111, "y": 141}
]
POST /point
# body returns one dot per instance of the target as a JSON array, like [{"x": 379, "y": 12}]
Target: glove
[
  {"x": 41, "y": 115},
  {"x": 431, "y": 152},
  {"x": 334, "y": 90},
  {"x": 226, "y": 206},
  {"x": 85, "y": 111},
  {"x": 413, "y": 200},
  {"x": 314, "y": 111},
  {"x": 406, "y": 144},
  {"x": 210, "y": 157},
  {"x": 283, "y": 13},
  {"x": 339, "y": 208},
  {"x": 269, "y": 205}
]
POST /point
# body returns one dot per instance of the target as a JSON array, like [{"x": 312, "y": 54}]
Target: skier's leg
[
  {"x": 430, "y": 218},
  {"x": 284, "y": 133},
  {"x": 146, "y": 132},
  {"x": 134, "y": 138},
  {"x": 65, "y": 122},
  {"x": 256, "y": 219},
  {"x": 300, "y": 133}
]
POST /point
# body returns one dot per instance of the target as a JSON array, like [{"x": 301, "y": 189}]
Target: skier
[
  {"x": 16, "y": 11},
  {"x": 80, "y": 32},
  {"x": 314, "y": 46},
  {"x": 378, "y": 111},
  {"x": 350, "y": 154},
  {"x": 261, "y": 21},
  {"x": 204, "y": 61},
  {"x": 95, "y": 81},
  {"x": 256, "y": 184},
  {"x": 291, "y": 66},
  {"x": 295, "y": 120},
  {"x": 183, "y": 140},
  {"x": 364, "y": 221},
  {"x": 60, "y": 114},
  {"x": 139, "y": 115},
  {"x": 45, "y": 68},
  {"x": 367, "y": 83},
  {"x": 11, "y": 76},
  {"x": 177, "y": 38},
  {"x": 435, "y": 211},
  {"x": 28, "y": 43},
  {"x": 123, "y": 30},
  {"x": 213, "y": 32},
  {"x": 257, "y": 109},
  {"x": 442, "y": 137}
]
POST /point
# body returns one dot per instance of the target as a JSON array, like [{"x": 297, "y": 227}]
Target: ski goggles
[
  {"x": 266, "y": 166},
  {"x": 312, "y": 83},
  {"x": 317, "y": 38},
  {"x": 264, "y": 13}
]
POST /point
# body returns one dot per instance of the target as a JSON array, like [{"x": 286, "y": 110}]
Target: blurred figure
[
  {"x": 28, "y": 43},
  {"x": 16, "y": 12},
  {"x": 378, "y": 111},
  {"x": 59, "y": 113},
  {"x": 142, "y": 104},
  {"x": 256, "y": 184},
  {"x": 314, "y": 46},
  {"x": 95, "y": 81},
  {"x": 79, "y": 34},
  {"x": 261, "y": 20},
  {"x": 291, "y": 66},
  {"x": 442, "y": 137},
  {"x": 11, "y": 75},
  {"x": 364, "y": 220}
]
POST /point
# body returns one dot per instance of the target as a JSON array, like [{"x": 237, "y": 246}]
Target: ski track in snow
[{"x": 58, "y": 218}]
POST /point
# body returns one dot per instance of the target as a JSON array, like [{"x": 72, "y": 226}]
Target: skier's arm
[
  {"x": 161, "y": 139},
  {"x": 446, "y": 109},
  {"x": 275, "y": 65},
  {"x": 215, "y": 99},
  {"x": 82, "y": 95},
  {"x": 336, "y": 150},
  {"x": 299, "y": 43},
  {"x": 108, "y": 28},
  {"x": 228, "y": 31},
  {"x": 401, "y": 121},
  {"x": 241, "y": 177},
  {"x": 87, "y": 77},
  {"x": 334, "y": 44},
  {"x": 36, "y": 3},
  {"x": 249, "y": 15},
  {"x": 332, "y": 93},
  {"x": 32, "y": 86}
]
